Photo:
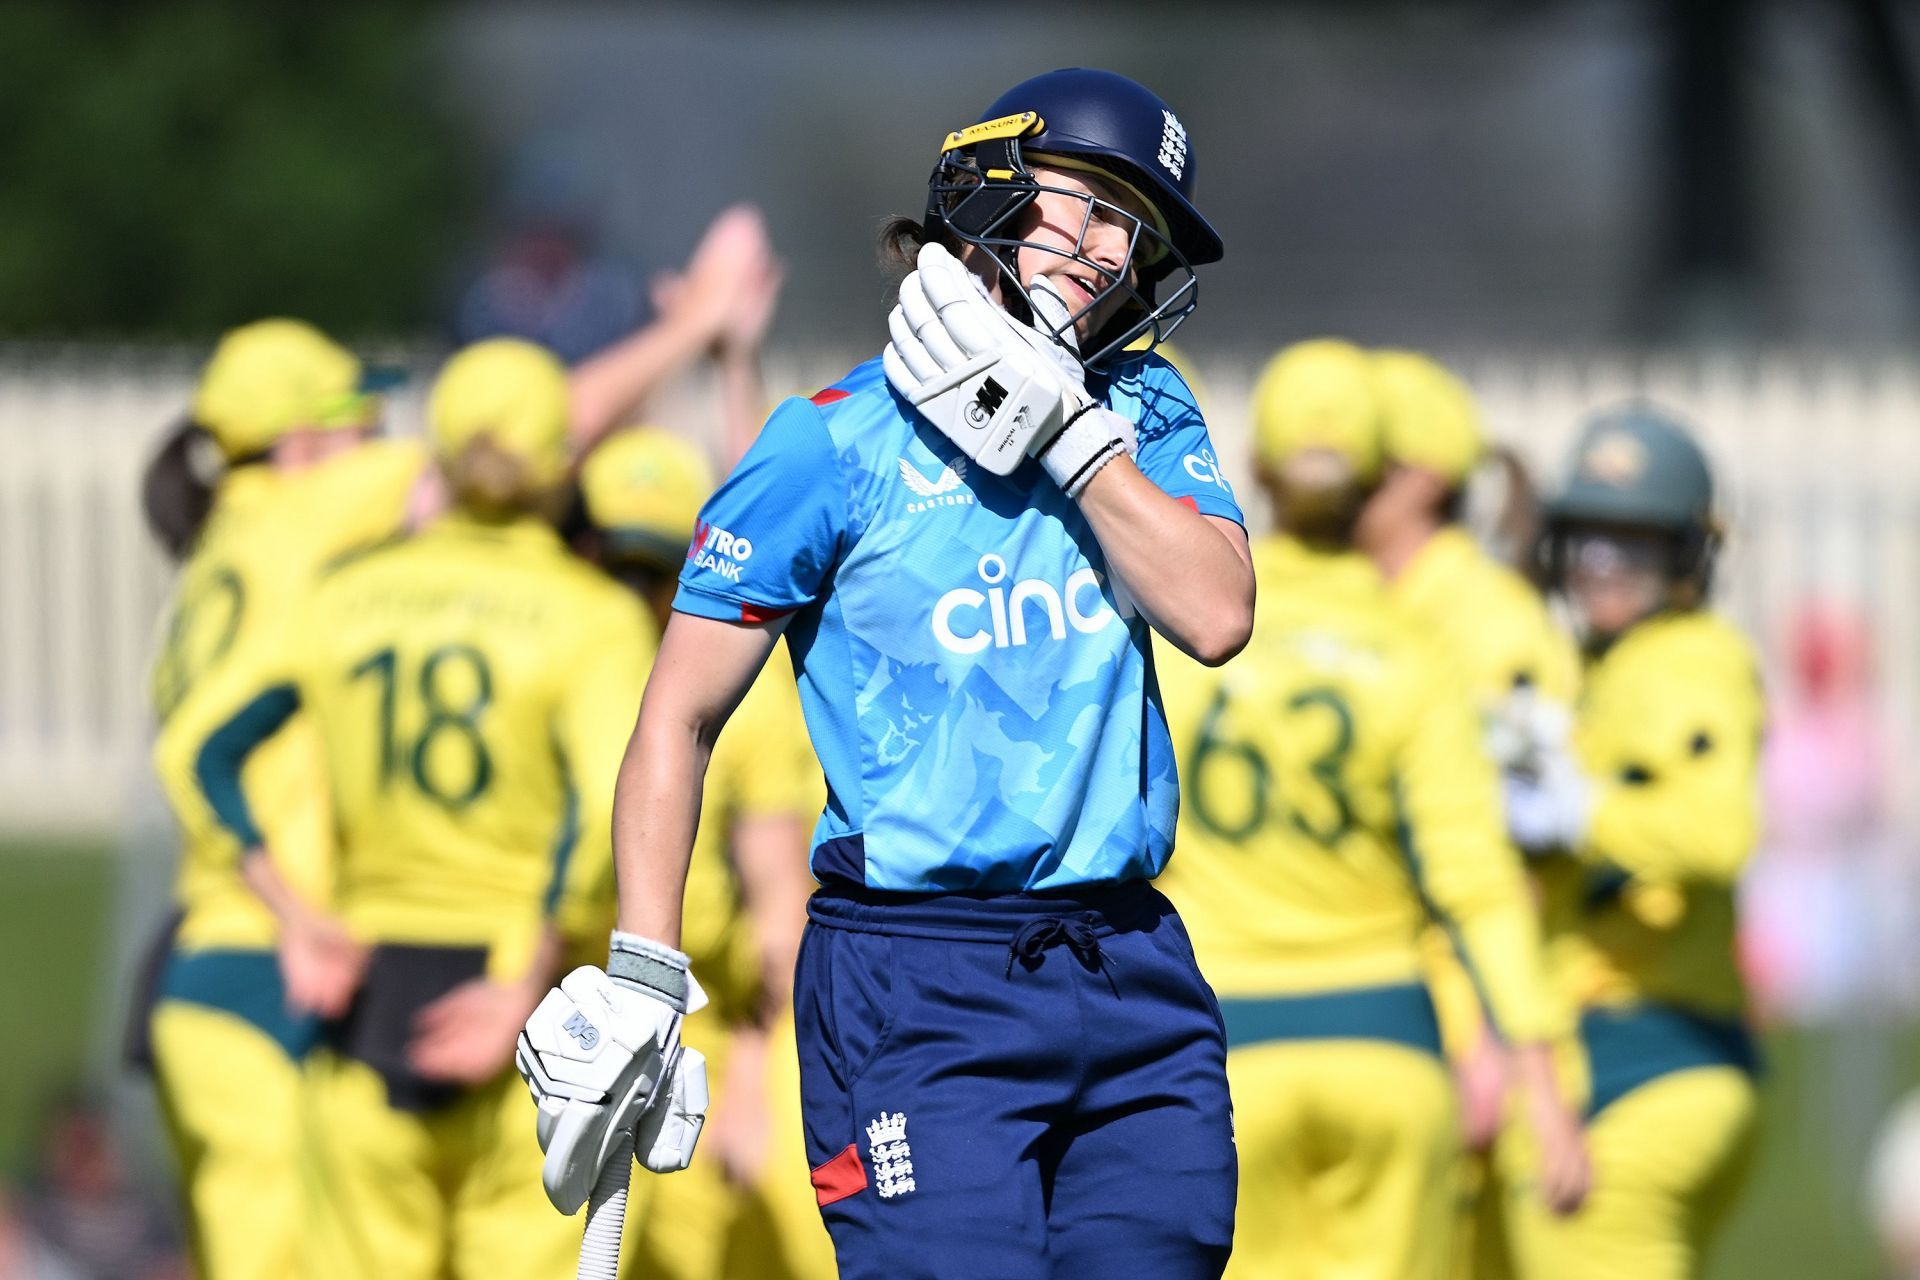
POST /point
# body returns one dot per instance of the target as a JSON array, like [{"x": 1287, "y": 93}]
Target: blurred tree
[{"x": 175, "y": 168}]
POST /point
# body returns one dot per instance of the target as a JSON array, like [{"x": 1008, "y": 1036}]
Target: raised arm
[
  {"x": 608, "y": 387},
  {"x": 1144, "y": 473},
  {"x": 743, "y": 390}
]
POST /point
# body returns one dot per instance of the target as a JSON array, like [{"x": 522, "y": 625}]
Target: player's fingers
[
  {"x": 451, "y": 1009},
  {"x": 947, "y": 281},
  {"x": 1053, "y": 313},
  {"x": 936, "y": 255},
  {"x": 977, "y": 327},
  {"x": 899, "y": 376},
  {"x": 927, "y": 325},
  {"x": 969, "y": 317},
  {"x": 920, "y": 364},
  {"x": 974, "y": 324},
  {"x": 1566, "y": 1183}
]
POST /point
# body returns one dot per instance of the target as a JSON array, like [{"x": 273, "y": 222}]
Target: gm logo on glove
[
  {"x": 986, "y": 402},
  {"x": 584, "y": 1033}
]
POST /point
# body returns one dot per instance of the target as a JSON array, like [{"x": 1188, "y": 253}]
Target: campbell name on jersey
[{"x": 978, "y": 688}]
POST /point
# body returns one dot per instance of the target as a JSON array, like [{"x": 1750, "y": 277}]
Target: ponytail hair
[
  {"x": 494, "y": 483},
  {"x": 901, "y": 239},
  {"x": 176, "y": 489},
  {"x": 1317, "y": 496},
  {"x": 1512, "y": 527}
]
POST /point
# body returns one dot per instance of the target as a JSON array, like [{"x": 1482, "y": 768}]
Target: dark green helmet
[{"x": 1636, "y": 466}]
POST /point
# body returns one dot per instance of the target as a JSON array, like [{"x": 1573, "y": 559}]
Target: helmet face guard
[
  {"x": 1577, "y": 556},
  {"x": 979, "y": 191}
]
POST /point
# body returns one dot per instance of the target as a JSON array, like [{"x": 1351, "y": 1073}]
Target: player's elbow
[
  {"x": 1229, "y": 622},
  {"x": 1223, "y": 633}
]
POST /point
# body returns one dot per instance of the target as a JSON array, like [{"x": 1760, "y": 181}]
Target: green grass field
[
  {"x": 1823, "y": 1096},
  {"x": 1801, "y": 1216},
  {"x": 55, "y": 904}
]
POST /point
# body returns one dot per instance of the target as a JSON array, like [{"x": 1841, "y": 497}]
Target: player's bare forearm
[
  {"x": 1190, "y": 574},
  {"x": 1565, "y": 1174},
  {"x": 743, "y": 403},
  {"x": 262, "y": 875},
  {"x": 703, "y": 669},
  {"x": 731, "y": 269},
  {"x": 656, "y": 810}
]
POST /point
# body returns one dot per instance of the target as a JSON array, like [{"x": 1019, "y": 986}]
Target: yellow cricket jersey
[
  {"x": 1332, "y": 777},
  {"x": 1669, "y": 731},
  {"x": 1494, "y": 626},
  {"x": 223, "y": 633},
  {"x": 762, "y": 767},
  {"x": 1499, "y": 638},
  {"x": 474, "y": 687}
]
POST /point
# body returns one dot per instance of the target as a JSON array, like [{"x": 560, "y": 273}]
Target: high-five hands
[{"x": 1000, "y": 390}]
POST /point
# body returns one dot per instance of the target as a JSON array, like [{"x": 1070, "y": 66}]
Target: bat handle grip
[{"x": 607, "y": 1215}]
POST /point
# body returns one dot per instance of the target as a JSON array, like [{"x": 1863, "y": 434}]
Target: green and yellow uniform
[
  {"x": 779, "y": 1235},
  {"x": 225, "y": 1051},
  {"x": 1641, "y": 940},
  {"x": 1334, "y": 798},
  {"x": 1493, "y": 625},
  {"x": 1506, "y": 651},
  {"x": 473, "y": 688},
  {"x": 1502, "y": 645}
]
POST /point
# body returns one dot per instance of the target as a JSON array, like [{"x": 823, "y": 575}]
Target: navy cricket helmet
[{"x": 1098, "y": 120}]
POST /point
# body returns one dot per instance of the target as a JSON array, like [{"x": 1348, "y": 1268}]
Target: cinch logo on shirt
[
  {"x": 959, "y": 626},
  {"x": 718, "y": 550},
  {"x": 1205, "y": 468}
]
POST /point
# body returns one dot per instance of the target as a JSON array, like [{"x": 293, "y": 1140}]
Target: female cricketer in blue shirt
[{"x": 1011, "y": 1066}]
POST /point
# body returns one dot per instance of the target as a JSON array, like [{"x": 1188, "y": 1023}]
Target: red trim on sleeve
[
  {"x": 840, "y": 1177},
  {"x": 830, "y": 395},
  {"x": 1190, "y": 504},
  {"x": 754, "y": 613}
]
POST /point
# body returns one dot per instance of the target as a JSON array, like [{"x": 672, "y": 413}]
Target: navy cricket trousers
[{"x": 1020, "y": 1087}]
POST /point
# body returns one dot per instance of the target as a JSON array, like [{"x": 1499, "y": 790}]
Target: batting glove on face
[
  {"x": 999, "y": 389},
  {"x": 602, "y": 1056}
]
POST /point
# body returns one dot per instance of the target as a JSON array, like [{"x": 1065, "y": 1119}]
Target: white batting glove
[
  {"x": 998, "y": 389},
  {"x": 1548, "y": 809},
  {"x": 602, "y": 1056},
  {"x": 1526, "y": 730}
]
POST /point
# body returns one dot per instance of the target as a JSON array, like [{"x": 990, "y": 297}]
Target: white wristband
[{"x": 1091, "y": 439}]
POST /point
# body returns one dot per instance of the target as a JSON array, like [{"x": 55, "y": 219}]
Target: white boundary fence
[{"x": 1819, "y": 458}]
